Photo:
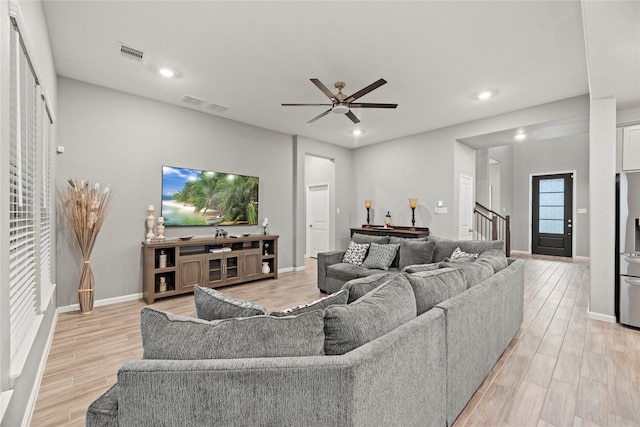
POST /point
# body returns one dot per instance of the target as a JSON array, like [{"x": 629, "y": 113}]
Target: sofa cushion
[
  {"x": 338, "y": 298},
  {"x": 345, "y": 271},
  {"x": 475, "y": 272},
  {"x": 355, "y": 253},
  {"x": 357, "y": 288},
  {"x": 413, "y": 251},
  {"x": 378, "y": 312},
  {"x": 170, "y": 336},
  {"x": 494, "y": 257},
  {"x": 434, "y": 286},
  {"x": 366, "y": 238},
  {"x": 380, "y": 256},
  {"x": 445, "y": 247},
  {"x": 415, "y": 268},
  {"x": 211, "y": 305}
]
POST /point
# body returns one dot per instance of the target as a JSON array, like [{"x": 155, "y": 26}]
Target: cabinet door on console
[
  {"x": 252, "y": 264},
  {"x": 190, "y": 272}
]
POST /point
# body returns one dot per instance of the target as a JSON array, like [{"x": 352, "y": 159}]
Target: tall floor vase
[{"x": 85, "y": 289}]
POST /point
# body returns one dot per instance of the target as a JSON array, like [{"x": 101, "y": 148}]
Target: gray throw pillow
[
  {"x": 378, "y": 312},
  {"x": 169, "y": 336},
  {"x": 433, "y": 287},
  {"x": 494, "y": 257},
  {"x": 211, "y": 305},
  {"x": 337, "y": 298},
  {"x": 416, "y": 252},
  {"x": 474, "y": 272},
  {"x": 355, "y": 253},
  {"x": 358, "y": 288},
  {"x": 380, "y": 256}
]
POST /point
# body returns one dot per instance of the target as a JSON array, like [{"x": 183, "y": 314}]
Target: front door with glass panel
[{"x": 552, "y": 210}]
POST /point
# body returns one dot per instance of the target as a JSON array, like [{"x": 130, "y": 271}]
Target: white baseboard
[
  {"x": 98, "y": 303},
  {"x": 599, "y": 316}
]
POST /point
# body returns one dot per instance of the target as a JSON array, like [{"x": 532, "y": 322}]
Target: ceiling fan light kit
[{"x": 341, "y": 103}]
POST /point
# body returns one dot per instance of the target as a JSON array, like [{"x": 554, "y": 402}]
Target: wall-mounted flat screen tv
[{"x": 192, "y": 197}]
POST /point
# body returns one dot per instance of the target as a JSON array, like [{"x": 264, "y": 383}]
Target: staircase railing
[{"x": 490, "y": 225}]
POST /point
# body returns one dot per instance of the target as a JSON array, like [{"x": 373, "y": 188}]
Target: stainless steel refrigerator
[{"x": 628, "y": 239}]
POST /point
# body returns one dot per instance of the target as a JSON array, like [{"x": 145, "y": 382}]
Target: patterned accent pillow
[
  {"x": 457, "y": 253},
  {"x": 170, "y": 336},
  {"x": 337, "y": 298},
  {"x": 355, "y": 253},
  {"x": 380, "y": 256},
  {"x": 211, "y": 305}
]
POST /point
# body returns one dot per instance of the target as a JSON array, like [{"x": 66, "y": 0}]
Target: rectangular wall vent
[
  {"x": 192, "y": 100},
  {"x": 132, "y": 53},
  {"x": 217, "y": 107}
]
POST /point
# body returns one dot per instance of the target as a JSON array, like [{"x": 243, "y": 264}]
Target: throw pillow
[
  {"x": 169, "y": 336},
  {"x": 380, "y": 256},
  {"x": 378, "y": 312},
  {"x": 211, "y": 305},
  {"x": 433, "y": 287},
  {"x": 416, "y": 252},
  {"x": 358, "y": 288},
  {"x": 457, "y": 253},
  {"x": 337, "y": 298},
  {"x": 495, "y": 258},
  {"x": 355, "y": 253}
]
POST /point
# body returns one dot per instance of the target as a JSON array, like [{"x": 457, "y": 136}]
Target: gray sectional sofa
[
  {"x": 440, "y": 337},
  {"x": 333, "y": 272}
]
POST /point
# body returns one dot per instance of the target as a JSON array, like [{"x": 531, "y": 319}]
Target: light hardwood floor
[{"x": 561, "y": 369}]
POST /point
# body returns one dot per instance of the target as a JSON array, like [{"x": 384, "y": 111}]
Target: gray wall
[
  {"x": 124, "y": 140},
  {"x": 565, "y": 154}
]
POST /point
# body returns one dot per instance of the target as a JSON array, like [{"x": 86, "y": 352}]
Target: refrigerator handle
[
  {"x": 632, "y": 259},
  {"x": 631, "y": 281}
]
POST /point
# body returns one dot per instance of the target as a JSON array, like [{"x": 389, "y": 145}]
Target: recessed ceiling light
[
  {"x": 356, "y": 132},
  {"x": 484, "y": 95},
  {"x": 165, "y": 72},
  {"x": 521, "y": 136}
]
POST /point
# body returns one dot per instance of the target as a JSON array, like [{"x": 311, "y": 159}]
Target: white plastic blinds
[
  {"x": 45, "y": 200},
  {"x": 22, "y": 182}
]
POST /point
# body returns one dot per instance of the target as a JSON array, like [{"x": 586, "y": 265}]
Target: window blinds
[{"x": 22, "y": 186}]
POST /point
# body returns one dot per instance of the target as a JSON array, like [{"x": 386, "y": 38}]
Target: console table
[
  {"x": 206, "y": 261},
  {"x": 397, "y": 231}
]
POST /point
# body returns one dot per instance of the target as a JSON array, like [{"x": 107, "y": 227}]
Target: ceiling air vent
[
  {"x": 217, "y": 107},
  {"x": 192, "y": 100},
  {"x": 131, "y": 53}
]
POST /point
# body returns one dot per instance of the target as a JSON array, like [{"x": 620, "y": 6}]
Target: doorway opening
[{"x": 319, "y": 217}]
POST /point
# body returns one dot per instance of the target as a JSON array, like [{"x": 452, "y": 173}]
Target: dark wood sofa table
[{"x": 397, "y": 231}]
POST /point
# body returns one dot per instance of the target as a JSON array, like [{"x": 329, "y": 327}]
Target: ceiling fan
[{"x": 341, "y": 103}]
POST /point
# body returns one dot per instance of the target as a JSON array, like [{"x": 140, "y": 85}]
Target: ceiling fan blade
[
  {"x": 306, "y": 105},
  {"x": 366, "y": 90},
  {"x": 320, "y": 116},
  {"x": 324, "y": 89},
  {"x": 352, "y": 116},
  {"x": 371, "y": 105}
]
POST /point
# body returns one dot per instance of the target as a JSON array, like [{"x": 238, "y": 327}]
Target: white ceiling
[{"x": 251, "y": 56}]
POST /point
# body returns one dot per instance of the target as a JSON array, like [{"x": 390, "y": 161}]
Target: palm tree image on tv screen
[{"x": 192, "y": 197}]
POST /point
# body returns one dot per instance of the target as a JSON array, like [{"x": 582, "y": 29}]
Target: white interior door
[
  {"x": 317, "y": 219},
  {"x": 465, "y": 208}
]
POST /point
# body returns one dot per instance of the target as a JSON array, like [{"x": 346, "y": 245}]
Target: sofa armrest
[
  {"x": 397, "y": 379},
  {"x": 326, "y": 259}
]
